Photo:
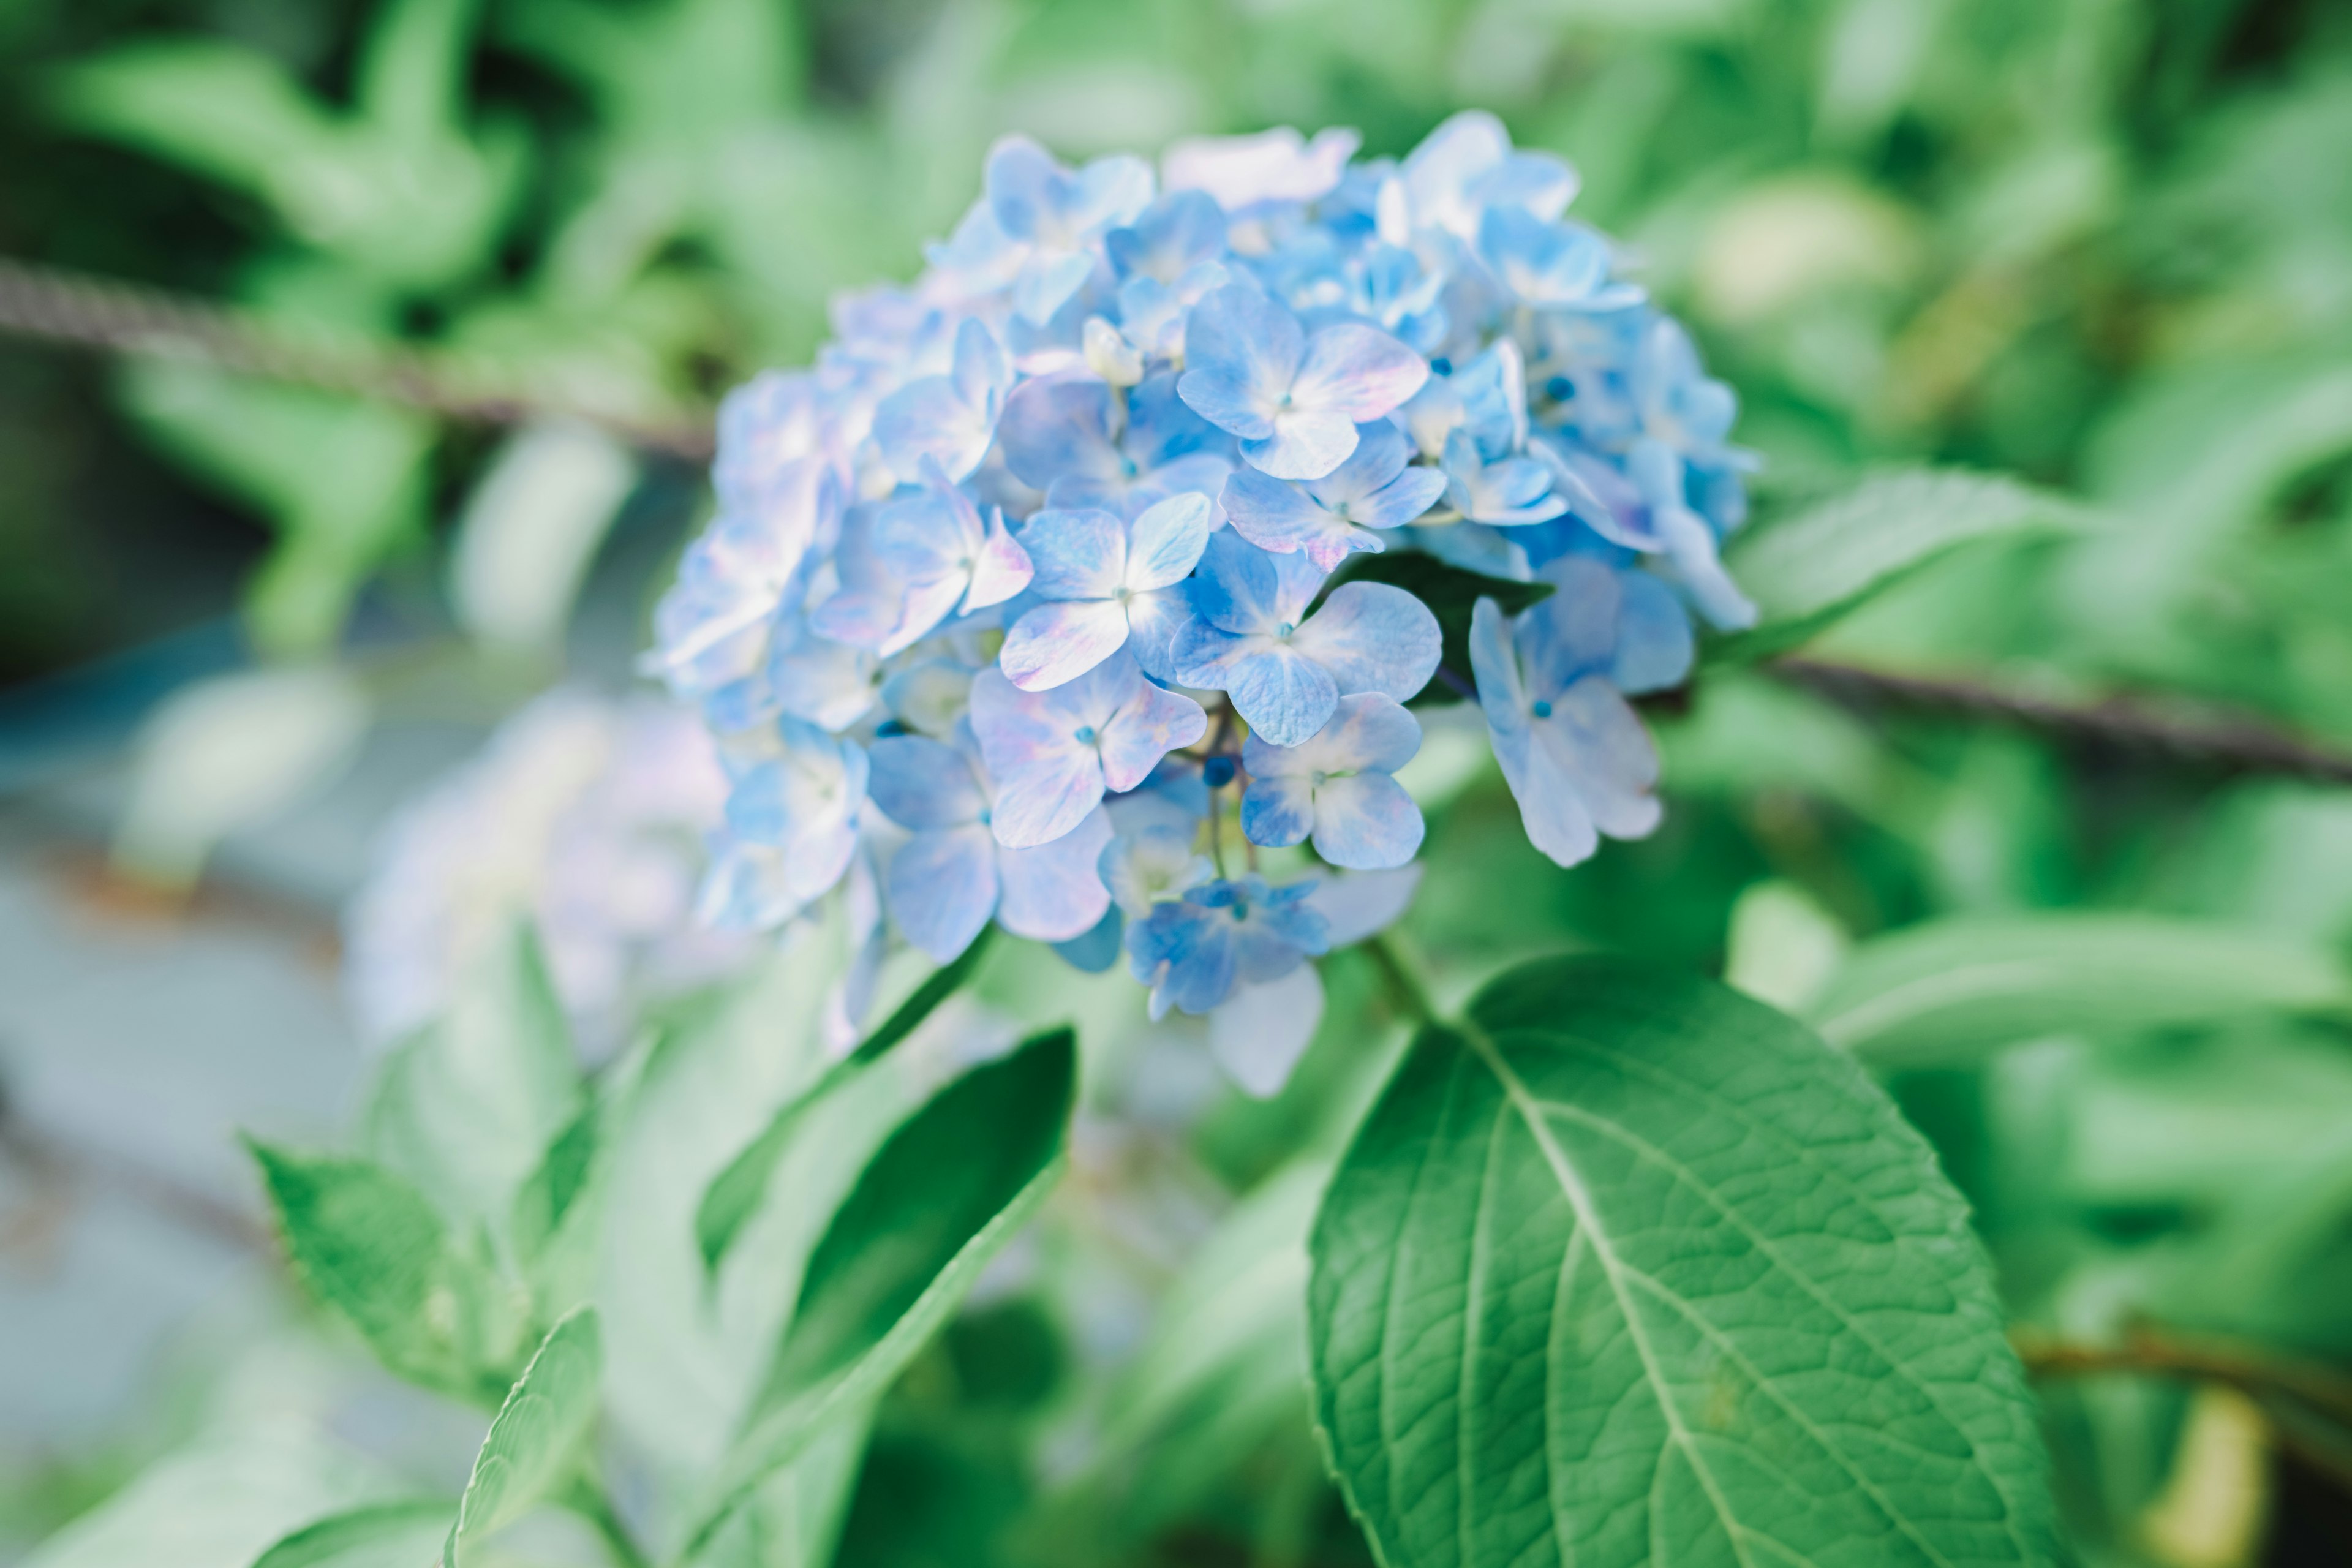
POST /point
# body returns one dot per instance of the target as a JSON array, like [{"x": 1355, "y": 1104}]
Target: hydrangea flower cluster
[
  {"x": 584, "y": 816},
  {"x": 1039, "y": 598}
]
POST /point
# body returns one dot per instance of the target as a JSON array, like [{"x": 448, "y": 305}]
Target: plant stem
[
  {"x": 2160, "y": 1355},
  {"x": 1408, "y": 988},
  {"x": 588, "y": 1501}
]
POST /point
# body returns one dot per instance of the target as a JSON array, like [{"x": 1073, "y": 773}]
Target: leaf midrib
[{"x": 1530, "y": 1109}]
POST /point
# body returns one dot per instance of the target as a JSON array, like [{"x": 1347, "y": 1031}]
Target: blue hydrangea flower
[
  {"x": 1173, "y": 234},
  {"x": 1069, "y": 435},
  {"x": 946, "y": 881},
  {"x": 1327, "y": 519},
  {"x": 1337, "y": 788},
  {"x": 1057, "y": 215},
  {"x": 1285, "y": 670},
  {"x": 1295, "y": 401},
  {"x": 1054, "y": 753},
  {"x": 909, "y": 564},
  {"x": 1110, "y": 585},
  {"x": 1553, "y": 686},
  {"x": 802, "y": 804},
  {"x": 1152, "y": 865},
  {"x": 1191, "y": 951},
  {"x": 975, "y": 544},
  {"x": 1549, "y": 265},
  {"x": 946, "y": 422}
]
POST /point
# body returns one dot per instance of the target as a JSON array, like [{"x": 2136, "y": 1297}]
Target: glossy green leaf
[
  {"x": 534, "y": 1442},
  {"x": 1630, "y": 1268},
  {"x": 369, "y": 1246},
  {"x": 735, "y": 1195},
  {"x": 1806, "y": 570},
  {"x": 954, "y": 1183},
  {"x": 381, "y": 1535},
  {"x": 1951, "y": 989},
  {"x": 1450, "y": 593}
]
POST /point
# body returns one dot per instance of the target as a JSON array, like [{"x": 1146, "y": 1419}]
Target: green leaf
[
  {"x": 1951, "y": 989},
  {"x": 1450, "y": 593},
  {"x": 467, "y": 1109},
  {"x": 1224, "y": 1372},
  {"x": 735, "y": 1195},
  {"x": 220, "y": 1502},
  {"x": 1630, "y": 1268},
  {"x": 954, "y": 1183},
  {"x": 381, "y": 1535},
  {"x": 530, "y": 1452},
  {"x": 369, "y": 1246},
  {"x": 1805, "y": 571}
]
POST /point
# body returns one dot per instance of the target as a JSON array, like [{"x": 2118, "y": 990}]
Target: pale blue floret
[
  {"x": 1327, "y": 519},
  {"x": 1174, "y": 235},
  {"x": 1505, "y": 494},
  {"x": 1193, "y": 951},
  {"x": 1549, "y": 266},
  {"x": 802, "y": 808},
  {"x": 1055, "y": 753},
  {"x": 1059, "y": 214},
  {"x": 1110, "y": 585},
  {"x": 912, "y": 562},
  {"x": 1461, "y": 170},
  {"x": 1573, "y": 751},
  {"x": 1069, "y": 435},
  {"x": 1293, "y": 400},
  {"x": 947, "y": 880},
  {"x": 1337, "y": 788},
  {"x": 1284, "y": 669},
  {"x": 947, "y": 421}
]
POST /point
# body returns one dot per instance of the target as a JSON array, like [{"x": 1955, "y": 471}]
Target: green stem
[
  {"x": 1408, "y": 987},
  {"x": 588, "y": 1499}
]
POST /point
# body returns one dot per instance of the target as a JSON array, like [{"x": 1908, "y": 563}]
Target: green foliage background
[{"x": 2103, "y": 246}]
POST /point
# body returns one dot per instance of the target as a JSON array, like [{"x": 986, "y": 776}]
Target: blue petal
[
  {"x": 942, "y": 889},
  {"x": 1055, "y": 644},
  {"x": 1258, "y": 1032},
  {"x": 1242, "y": 352},
  {"x": 1401, "y": 500},
  {"x": 1058, "y": 426},
  {"x": 1654, "y": 638},
  {"x": 1366, "y": 822},
  {"x": 1302, "y": 443},
  {"x": 1371, "y": 637},
  {"x": 1095, "y": 951},
  {"x": 1166, "y": 540},
  {"x": 1076, "y": 554},
  {"x": 921, "y": 785},
  {"x": 1278, "y": 812},
  {"x": 1053, "y": 892},
  {"x": 1381, "y": 452},
  {"x": 1284, "y": 694},
  {"x": 1274, "y": 514},
  {"x": 1357, "y": 372}
]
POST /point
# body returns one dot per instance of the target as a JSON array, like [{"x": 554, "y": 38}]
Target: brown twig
[
  {"x": 52, "y": 1163},
  {"x": 2308, "y": 1408},
  {"x": 2152, "y": 1355},
  {"x": 2212, "y": 737},
  {"x": 55, "y": 307}
]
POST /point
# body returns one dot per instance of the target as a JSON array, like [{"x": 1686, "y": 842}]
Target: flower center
[
  {"x": 1241, "y": 910},
  {"x": 1543, "y": 709},
  {"x": 1285, "y": 629},
  {"x": 1085, "y": 734}
]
